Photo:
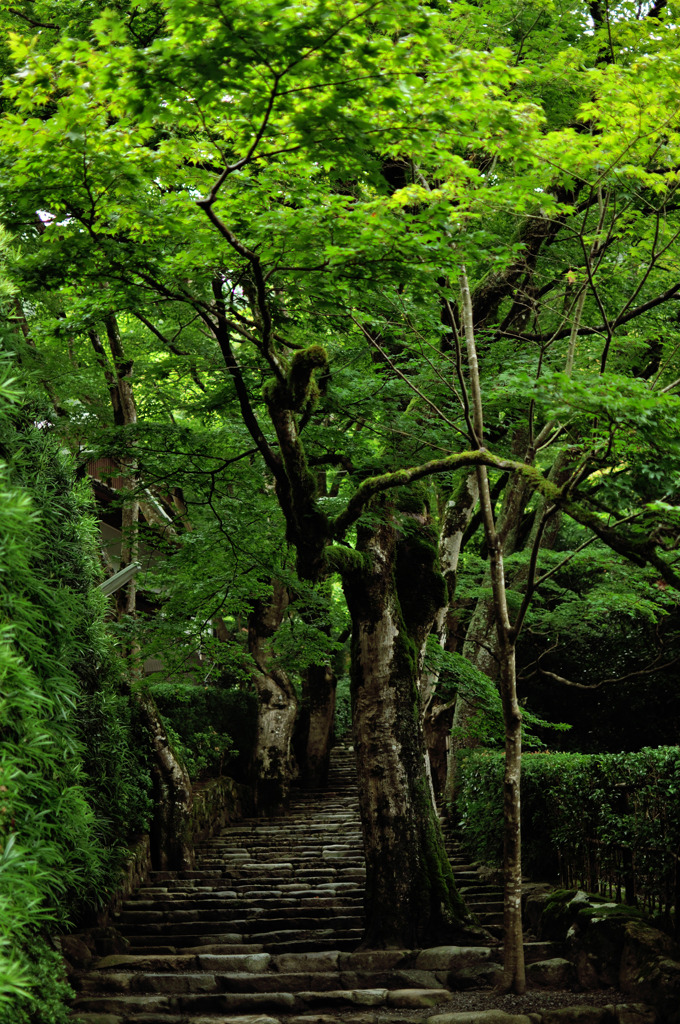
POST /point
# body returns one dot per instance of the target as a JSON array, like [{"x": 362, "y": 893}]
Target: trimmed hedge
[{"x": 573, "y": 802}]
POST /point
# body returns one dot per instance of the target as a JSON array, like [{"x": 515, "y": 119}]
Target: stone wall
[
  {"x": 134, "y": 872},
  {"x": 216, "y": 803}
]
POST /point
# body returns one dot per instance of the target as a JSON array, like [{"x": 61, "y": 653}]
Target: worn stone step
[
  {"x": 244, "y": 1002},
  {"x": 209, "y": 938},
  {"x": 245, "y": 926},
  {"x": 146, "y": 945},
  {"x": 484, "y": 906},
  {"x": 323, "y": 903},
  {"x": 216, "y": 911},
  {"x": 103, "y": 983},
  {"x": 265, "y": 931},
  {"x": 315, "y": 944},
  {"x": 537, "y": 951}
]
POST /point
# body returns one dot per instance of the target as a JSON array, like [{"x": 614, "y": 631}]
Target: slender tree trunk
[
  {"x": 481, "y": 641},
  {"x": 514, "y": 978},
  {"x": 457, "y": 515},
  {"x": 171, "y": 840},
  {"x": 411, "y": 898},
  {"x": 272, "y": 766}
]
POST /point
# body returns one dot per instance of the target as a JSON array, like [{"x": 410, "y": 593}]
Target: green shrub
[
  {"x": 570, "y": 800},
  {"x": 72, "y": 783},
  {"x": 210, "y": 728}
]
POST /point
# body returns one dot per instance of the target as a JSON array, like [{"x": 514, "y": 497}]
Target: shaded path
[{"x": 263, "y": 932}]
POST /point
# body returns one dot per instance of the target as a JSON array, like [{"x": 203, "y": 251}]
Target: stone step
[
  {"x": 210, "y": 944},
  {"x": 251, "y": 931},
  {"x": 265, "y": 931},
  {"x": 241, "y": 887},
  {"x": 484, "y": 906},
  {"x": 136, "y": 982},
  {"x": 534, "y": 951},
  {"x": 227, "y": 902},
  {"x": 237, "y": 909},
  {"x": 257, "y": 1002},
  {"x": 275, "y": 943}
]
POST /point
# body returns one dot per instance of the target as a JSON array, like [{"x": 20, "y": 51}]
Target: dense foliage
[
  {"x": 575, "y": 803},
  {"x": 73, "y": 778},
  {"x": 212, "y": 729},
  {"x": 295, "y": 269}
]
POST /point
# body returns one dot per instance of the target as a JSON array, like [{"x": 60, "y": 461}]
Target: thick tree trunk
[
  {"x": 272, "y": 766},
  {"x": 411, "y": 898}
]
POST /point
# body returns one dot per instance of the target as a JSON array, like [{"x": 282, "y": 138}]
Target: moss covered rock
[
  {"x": 650, "y": 968},
  {"x": 612, "y": 945}
]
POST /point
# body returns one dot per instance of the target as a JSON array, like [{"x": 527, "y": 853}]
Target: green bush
[
  {"x": 72, "y": 785},
  {"x": 208, "y": 726},
  {"x": 568, "y": 800}
]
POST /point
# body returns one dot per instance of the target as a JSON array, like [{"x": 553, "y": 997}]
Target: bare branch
[
  {"x": 32, "y": 21},
  {"x": 409, "y": 383}
]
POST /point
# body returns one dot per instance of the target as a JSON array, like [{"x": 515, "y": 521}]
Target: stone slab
[
  {"x": 374, "y": 959},
  {"x": 554, "y": 973},
  {"x": 417, "y": 998},
  {"x": 292, "y": 963},
  {"x": 100, "y": 1018},
  {"x": 448, "y": 958},
  {"x": 255, "y": 963},
  {"x": 636, "y": 1013}
]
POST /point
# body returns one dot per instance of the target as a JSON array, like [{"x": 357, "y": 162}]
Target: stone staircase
[
  {"x": 264, "y": 931},
  {"x": 485, "y": 899}
]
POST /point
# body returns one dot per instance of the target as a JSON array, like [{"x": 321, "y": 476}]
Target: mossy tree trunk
[
  {"x": 272, "y": 764},
  {"x": 171, "y": 847},
  {"x": 411, "y": 897}
]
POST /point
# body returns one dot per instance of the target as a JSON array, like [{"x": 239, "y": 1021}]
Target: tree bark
[
  {"x": 171, "y": 847},
  {"x": 272, "y": 766},
  {"x": 457, "y": 515},
  {"x": 171, "y": 841},
  {"x": 481, "y": 646},
  {"x": 514, "y": 978},
  {"x": 411, "y": 898}
]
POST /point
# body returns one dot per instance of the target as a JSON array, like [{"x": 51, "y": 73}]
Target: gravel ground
[
  {"x": 534, "y": 1001},
  {"x": 531, "y": 1002}
]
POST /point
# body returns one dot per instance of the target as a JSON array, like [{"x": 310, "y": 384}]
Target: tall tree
[{"x": 302, "y": 182}]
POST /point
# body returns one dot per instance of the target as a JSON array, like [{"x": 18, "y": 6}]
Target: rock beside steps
[{"x": 264, "y": 931}]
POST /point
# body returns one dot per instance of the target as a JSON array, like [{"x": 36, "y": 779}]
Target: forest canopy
[{"x": 362, "y": 321}]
